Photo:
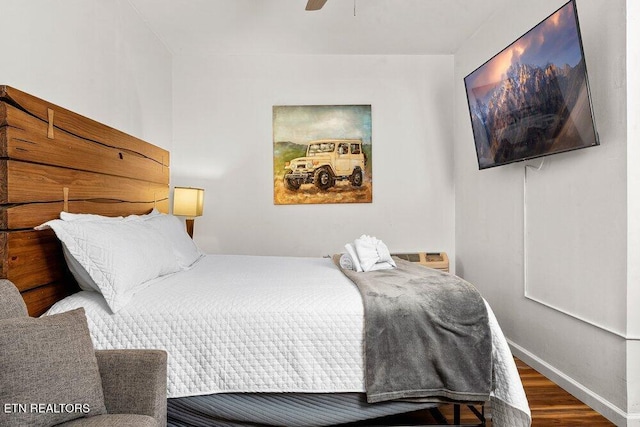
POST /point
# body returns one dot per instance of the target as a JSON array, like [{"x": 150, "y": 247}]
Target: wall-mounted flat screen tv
[{"x": 532, "y": 99}]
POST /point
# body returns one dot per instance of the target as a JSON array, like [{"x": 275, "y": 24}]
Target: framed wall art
[{"x": 322, "y": 154}]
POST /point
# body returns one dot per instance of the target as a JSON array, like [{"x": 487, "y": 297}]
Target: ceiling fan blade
[{"x": 315, "y": 4}]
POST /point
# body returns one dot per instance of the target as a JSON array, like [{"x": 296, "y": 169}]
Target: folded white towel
[
  {"x": 346, "y": 262},
  {"x": 354, "y": 257},
  {"x": 372, "y": 254}
]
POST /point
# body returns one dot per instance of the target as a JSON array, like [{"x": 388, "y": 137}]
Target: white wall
[
  {"x": 94, "y": 57},
  {"x": 223, "y": 142},
  {"x": 633, "y": 210},
  {"x": 97, "y": 57},
  {"x": 576, "y": 254}
]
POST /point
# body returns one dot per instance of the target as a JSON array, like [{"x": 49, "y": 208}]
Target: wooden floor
[{"x": 550, "y": 406}]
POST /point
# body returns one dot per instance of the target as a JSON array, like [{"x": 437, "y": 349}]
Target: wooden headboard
[{"x": 52, "y": 159}]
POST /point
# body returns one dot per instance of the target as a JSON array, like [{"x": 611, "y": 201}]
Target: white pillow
[
  {"x": 173, "y": 229},
  {"x": 121, "y": 257},
  {"x": 154, "y": 212},
  {"x": 78, "y": 272},
  {"x": 68, "y": 216}
]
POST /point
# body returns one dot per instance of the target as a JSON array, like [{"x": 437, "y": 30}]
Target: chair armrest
[{"x": 134, "y": 382}]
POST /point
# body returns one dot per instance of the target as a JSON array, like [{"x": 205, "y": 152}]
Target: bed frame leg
[{"x": 442, "y": 420}]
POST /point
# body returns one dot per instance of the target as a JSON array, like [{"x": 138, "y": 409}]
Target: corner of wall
[{"x": 633, "y": 209}]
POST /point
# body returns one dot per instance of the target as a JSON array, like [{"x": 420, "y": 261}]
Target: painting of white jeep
[{"x": 327, "y": 161}]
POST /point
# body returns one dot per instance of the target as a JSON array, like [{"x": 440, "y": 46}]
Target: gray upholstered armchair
[{"x": 51, "y": 375}]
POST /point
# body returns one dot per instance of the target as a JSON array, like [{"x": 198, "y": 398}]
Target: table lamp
[{"x": 189, "y": 202}]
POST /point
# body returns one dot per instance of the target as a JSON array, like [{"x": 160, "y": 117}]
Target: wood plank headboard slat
[
  {"x": 34, "y": 257},
  {"x": 29, "y": 215},
  {"x": 106, "y": 171},
  {"x": 40, "y": 299},
  {"x": 25, "y": 138},
  {"x": 31, "y": 182},
  {"x": 81, "y": 126}
]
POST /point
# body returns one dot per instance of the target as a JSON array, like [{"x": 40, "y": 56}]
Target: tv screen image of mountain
[{"x": 532, "y": 99}]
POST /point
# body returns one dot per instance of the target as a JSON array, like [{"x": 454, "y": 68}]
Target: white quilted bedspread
[{"x": 262, "y": 324}]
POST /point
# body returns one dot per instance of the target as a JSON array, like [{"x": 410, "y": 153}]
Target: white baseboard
[
  {"x": 633, "y": 420},
  {"x": 584, "y": 394}
]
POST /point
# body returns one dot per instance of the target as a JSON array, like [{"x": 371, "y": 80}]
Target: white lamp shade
[{"x": 188, "y": 201}]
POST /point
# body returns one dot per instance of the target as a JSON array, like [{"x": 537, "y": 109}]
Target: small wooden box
[{"x": 437, "y": 260}]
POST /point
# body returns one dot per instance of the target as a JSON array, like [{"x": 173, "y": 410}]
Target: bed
[{"x": 282, "y": 351}]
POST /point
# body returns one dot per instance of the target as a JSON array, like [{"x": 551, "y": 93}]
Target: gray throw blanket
[{"x": 427, "y": 335}]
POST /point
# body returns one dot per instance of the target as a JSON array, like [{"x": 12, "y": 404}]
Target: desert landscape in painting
[{"x": 322, "y": 154}]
